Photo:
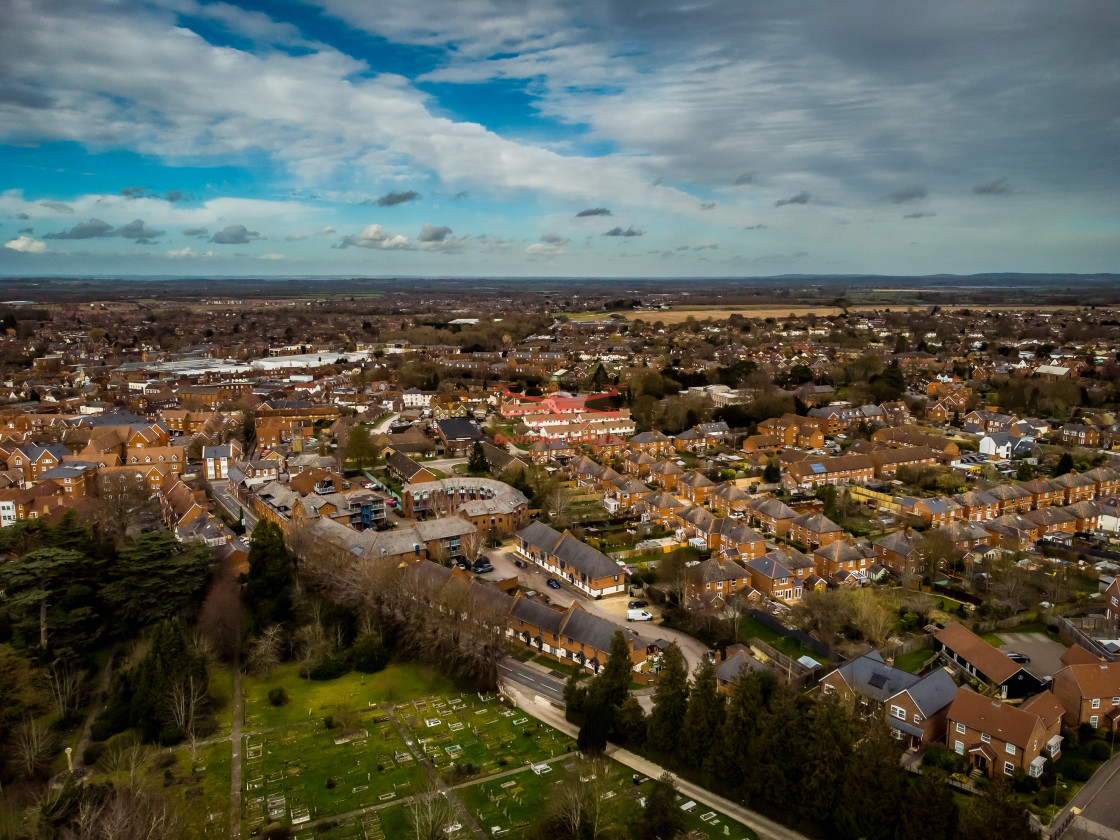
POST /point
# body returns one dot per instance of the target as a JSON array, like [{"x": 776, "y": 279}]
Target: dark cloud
[
  {"x": 235, "y": 235},
  {"x": 390, "y": 199},
  {"x": 679, "y": 248},
  {"x": 172, "y": 196},
  {"x": 618, "y": 231},
  {"x": 136, "y": 229},
  {"x": 431, "y": 233},
  {"x": 92, "y": 229},
  {"x": 708, "y": 205},
  {"x": 919, "y": 215},
  {"x": 27, "y": 230},
  {"x": 134, "y": 192},
  {"x": 459, "y": 196},
  {"x": 22, "y": 216},
  {"x": 755, "y": 227},
  {"x": 25, "y": 97},
  {"x": 57, "y": 206},
  {"x": 708, "y": 247},
  {"x": 801, "y": 198},
  {"x": 593, "y": 211},
  {"x": 554, "y": 239},
  {"x": 997, "y": 187},
  {"x": 910, "y": 193},
  {"x": 201, "y": 233},
  {"x": 745, "y": 178}
]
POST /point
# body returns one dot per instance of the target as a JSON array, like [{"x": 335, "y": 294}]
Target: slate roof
[{"x": 869, "y": 676}]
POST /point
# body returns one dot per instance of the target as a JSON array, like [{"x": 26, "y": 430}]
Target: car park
[
  {"x": 552, "y": 583},
  {"x": 1021, "y": 658}
]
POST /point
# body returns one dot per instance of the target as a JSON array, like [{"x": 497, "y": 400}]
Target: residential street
[
  {"x": 219, "y": 491},
  {"x": 1099, "y": 802}
]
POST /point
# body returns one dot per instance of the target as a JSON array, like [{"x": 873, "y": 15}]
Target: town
[{"x": 498, "y": 546}]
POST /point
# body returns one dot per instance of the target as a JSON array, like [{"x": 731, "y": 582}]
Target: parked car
[
  {"x": 391, "y": 502},
  {"x": 368, "y": 485},
  {"x": 552, "y": 583},
  {"x": 639, "y": 615},
  {"x": 519, "y": 564},
  {"x": 1021, "y": 658},
  {"x": 483, "y": 567},
  {"x": 637, "y": 604}
]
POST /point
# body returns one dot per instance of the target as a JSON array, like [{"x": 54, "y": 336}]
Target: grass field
[
  {"x": 751, "y": 628},
  {"x": 680, "y": 314},
  {"x": 202, "y": 797},
  {"x": 313, "y": 700},
  {"x": 914, "y": 660}
]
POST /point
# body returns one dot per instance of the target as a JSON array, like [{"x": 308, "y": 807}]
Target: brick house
[
  {"x": 1089, "y": 693},
  {"x": 845, "y": 561},
  {"x": 999, "y": 739},
  {"x": 971, "y": 654},
  {"x": 815, "y": 530},
  {"x": 565, "y": 556},
  {"x": 771, "y": 515},
  {"x": 811, "y": 474}
]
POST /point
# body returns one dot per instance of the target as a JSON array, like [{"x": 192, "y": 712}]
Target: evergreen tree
[
  {"x": 875, "y": 785},
  {"x": 575, "y": 696},
  {"x": 773, "y": 472},
  {"x": 145, "y": 690},
  {"x": 779, "y": 757},
  {"x": 156, "y": 577},
  {"x": 1065, "y": 464},
  {"x": 996, "y": 815},
  {"x": 477, "y": 464},
  {"x": 268, "y": 590},
  {"x": 736, "y": 750},
  {"x": 703, "y": 719},
  {"x": 36, "y": 579},
  {"x": 1024, "y": 472},
  {"x": 631, "y": 722},
  {"x": 928, "y": 811},
  {"x": 613, "y": 682},
  {"x": 605, "y": 696},
  {"x": 830, "y": 734},
  {"x": 670, "y": 701},
  {"x": 661, "y": 819}
]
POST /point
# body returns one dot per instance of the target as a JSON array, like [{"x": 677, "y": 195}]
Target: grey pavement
[
  {"x": 1044, "y": 652},
  {"x": 1099, "y": 803}
]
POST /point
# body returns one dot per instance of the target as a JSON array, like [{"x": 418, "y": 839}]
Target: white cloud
[
  {"x": 27, "y": 245},
  {"x": 373, "y": 236},
  {"x": 188, "y": 251},
  {"x": 273, "y": 257}
]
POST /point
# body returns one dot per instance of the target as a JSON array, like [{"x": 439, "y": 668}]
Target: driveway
[{"x": 1044, "y": 652}]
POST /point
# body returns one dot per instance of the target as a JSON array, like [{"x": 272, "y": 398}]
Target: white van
[{"x": 639, "y": 615}]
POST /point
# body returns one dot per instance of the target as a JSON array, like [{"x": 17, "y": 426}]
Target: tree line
[{"x": 817, "y": 764}]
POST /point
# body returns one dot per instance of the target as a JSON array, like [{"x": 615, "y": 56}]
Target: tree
[
  {"x": 157, "y": 577},
  {"x": 1065, "y": 464},
  {"x": 605, "y": 696},
  {"x": 661, "y": 819},
  {"x": 996, "y": 815},
  {"x": 670, "y": 701},
  {"x": 936, "y": 552},
  {"x": 672, "y": 574},
  {"x": 23, "y": 690},
  {"x": 360, "y": 447},
  {"x": 928, "y": 810},
  {"x": 703, "y": 719},
  {"x": 429, "y": 813},
  {"x": 773, "y": 472},
  {"x": 1024, "y": 472},
  {"x": 875, "y": 784},
  {"x": 830, "y": 731},
  {"x": 37, "y": 578},
  {"x": 33, "y": 746},
  {"x": 268, "y": 590},
  {"x": 477, "y": 464}
]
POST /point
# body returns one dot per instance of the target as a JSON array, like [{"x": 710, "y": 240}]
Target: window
[
  {"x": 960, "y": 728},
  {"x": 917, "y": 718},
  {"x": 898, "y": 712},
  {"x": 986, "y": 738},
  {"x": 1116, "y": 701},
  {"x": 1011, "y": 749},
  {"x": 1093, "y": 721},
  {"x": 1096, "y": 703},
  {"x": 1008, "y": 768},
  {"x": 958, "y": 747}
]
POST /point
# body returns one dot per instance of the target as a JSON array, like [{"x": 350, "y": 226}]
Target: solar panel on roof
[
  {"x": 817, "y": 468},
  {"x": 877, "y": 680}
]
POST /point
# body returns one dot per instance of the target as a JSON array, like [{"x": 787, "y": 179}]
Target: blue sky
[{"x": 608, "y": 138}]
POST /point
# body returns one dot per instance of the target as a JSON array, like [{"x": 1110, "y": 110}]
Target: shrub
[
  {"x": 1079, "y": 770},
  {"x": 369, "y": 654},
  {"x": 92, "y": 753},
  {"x": 170, "y": 735},
  {"x": 1061, "y": 796},
  {"x": 276, "y": 832},
  {"x": 101, "y": 730},
  {"x": 1098, "y": 751},
  {"x": 331, "y": 783},
  {"x": 1086, "y": 732},
  {"x": 329, "y": 721},
  {"x": 1022, "y": 783},
  {"x": 278, "y": 696}
]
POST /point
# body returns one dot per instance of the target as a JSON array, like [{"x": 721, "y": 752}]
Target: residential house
[
  {"x": 576, "y": 562},
  {"x": 845, "y": 561},
  {"x": 1078, "y": 434},
  {"x": 771, "y": 515},
  {"x": 971, "y": 654},
  {"x": 1089, "y": 693},
  {"x": 999, "y": 739},
  {"x": 814, "y": 530}
]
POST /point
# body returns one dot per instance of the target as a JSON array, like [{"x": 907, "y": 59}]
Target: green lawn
[
  {"x": 751, "y": 628},
  {"x": 313, "y": 700},
  {"x": 221, "y": 689},
  {"x": 992, "y": 639},
  {"x": 914, "y": 660}
]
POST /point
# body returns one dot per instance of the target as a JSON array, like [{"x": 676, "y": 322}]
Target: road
[
  {"x": 1099, "y": 803},
  {"x": 219, "y": 491},
  {"x": 614, "y": 608},
  {"x": 384, "y": 425},
  {"x": 537, "y": 679}
]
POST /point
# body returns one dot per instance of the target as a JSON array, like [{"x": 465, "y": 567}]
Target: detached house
[
  {"x": 1089, "y": 693},
  {"x": 999, "y": 739}
]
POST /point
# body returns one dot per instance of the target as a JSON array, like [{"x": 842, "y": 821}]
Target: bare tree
[
  {"x": 581, "y": 808},
  {"x": 184, "y": 699},
  {"x": 557, "y": 506},
  {"x": 32, "y": 745},
  {"x": 66, "y": 686},
  {"x": 471, "y": 546},
  {"x": 266, "y": 649},
  {"x": 672, "y": 574},
  {"x": 429, "y": 813},
  {"x": 122, "y": 496}
]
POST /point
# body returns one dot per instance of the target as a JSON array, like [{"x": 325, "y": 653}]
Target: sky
[{"x": 558, "y": 138}]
